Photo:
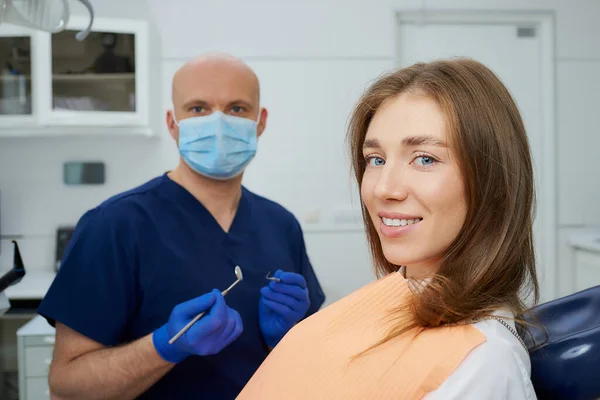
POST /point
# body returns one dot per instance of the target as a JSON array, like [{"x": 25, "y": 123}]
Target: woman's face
[{"x": 412, "y": 186}]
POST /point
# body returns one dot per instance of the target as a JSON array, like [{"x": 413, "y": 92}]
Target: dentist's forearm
[{"x": 122, "y": 372}]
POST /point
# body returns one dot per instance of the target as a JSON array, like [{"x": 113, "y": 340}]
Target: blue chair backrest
[{"x": 564, "y": 345}]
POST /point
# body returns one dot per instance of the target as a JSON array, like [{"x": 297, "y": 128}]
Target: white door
[{"x": 514, "y": 52}]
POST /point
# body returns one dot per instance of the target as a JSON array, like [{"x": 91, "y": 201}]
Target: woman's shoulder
[
  {"x": 499, "y": 368},
  {"x": 502, "y": 343}
]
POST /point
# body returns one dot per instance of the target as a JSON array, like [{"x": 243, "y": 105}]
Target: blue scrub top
[{"x": 139, "y": 254}]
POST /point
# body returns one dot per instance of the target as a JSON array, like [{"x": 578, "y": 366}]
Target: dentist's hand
[
  {"x": 214, "y": 331},
  {"x": 282, "y": 305}
]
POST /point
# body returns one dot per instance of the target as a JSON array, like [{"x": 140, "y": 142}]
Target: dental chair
[{"x": 564, "y": 346}]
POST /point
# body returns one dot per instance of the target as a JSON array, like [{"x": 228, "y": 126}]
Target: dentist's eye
[
  {"x": 197, "y": 110},
  {"x": 374, "y": 161}
]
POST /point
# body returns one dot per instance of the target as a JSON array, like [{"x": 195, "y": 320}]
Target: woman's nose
[{"x": 390, "y": 185}]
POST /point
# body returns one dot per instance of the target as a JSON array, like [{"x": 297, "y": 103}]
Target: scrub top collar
[{"x": 241, "y": 225}]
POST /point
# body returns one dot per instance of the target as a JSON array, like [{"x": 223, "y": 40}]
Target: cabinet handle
[
  {"x": 47, "y": 392},
  {"x": 49, "y": 339},
  {"x": 48, "y": 361}
]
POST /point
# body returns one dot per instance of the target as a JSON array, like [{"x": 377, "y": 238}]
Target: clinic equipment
[
  {"x": 45, "y": 15},
  {"x": 272, "y": 278},
  {"x": 12, "y": 277},
  {"x": 240, "y": 277}
]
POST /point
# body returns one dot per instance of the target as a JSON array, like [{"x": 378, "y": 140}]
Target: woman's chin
[{"x": 399, "y": 257}]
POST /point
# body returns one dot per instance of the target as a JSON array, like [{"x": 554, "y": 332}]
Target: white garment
[{"x": 498, "y": 369}]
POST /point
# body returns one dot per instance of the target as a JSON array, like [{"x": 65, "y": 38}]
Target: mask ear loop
[
  {"x": 174, "y": 117},
  {"x": 257, "y": 124},
  {"x": 260, "y": 110}
]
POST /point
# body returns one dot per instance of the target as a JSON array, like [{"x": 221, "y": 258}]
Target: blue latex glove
[
  {"x": 214, "y": 331},
  {"x": 282, "y": 305}
]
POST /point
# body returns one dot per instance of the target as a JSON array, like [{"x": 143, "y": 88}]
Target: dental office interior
[{"x": 82, "y": 120}]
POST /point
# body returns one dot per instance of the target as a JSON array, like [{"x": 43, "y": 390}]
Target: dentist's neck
[{"x": 220, "y": 198}]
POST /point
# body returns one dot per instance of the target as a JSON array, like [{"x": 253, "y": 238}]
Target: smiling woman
[
  {"x": 441, "y": 157},
  {"x": 451, "y": 148}
]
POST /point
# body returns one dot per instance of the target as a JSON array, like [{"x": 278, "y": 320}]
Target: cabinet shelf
[
  {"x": 13, "y": 78},
  {"x": 93, "y": 77},
  {"x": 72, "y": 131}
]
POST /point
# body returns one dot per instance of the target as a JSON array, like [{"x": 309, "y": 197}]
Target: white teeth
[{"x": 400, "y": 222}]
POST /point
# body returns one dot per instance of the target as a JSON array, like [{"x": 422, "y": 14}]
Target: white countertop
[
  {"x": 36, "y": 326},
  {"x": 34, "y": 285},
  {"x": 586, "y": 240}
]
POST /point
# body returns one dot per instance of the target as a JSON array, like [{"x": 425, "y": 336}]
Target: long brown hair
[{"x": 491, "y": 263}]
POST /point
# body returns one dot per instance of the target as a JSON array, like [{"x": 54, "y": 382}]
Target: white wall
[{"x": 313, "y": 58}]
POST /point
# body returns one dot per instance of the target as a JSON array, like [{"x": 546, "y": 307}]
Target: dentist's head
[{"x": 216, "y": 117}]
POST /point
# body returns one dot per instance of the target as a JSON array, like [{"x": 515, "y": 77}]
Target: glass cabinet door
[
  {"x": 15, "y": 59},
  {"x": 100, "y": 81},
  {"x": 16, "y": 77},
  {"x": 97, "y": 74}
]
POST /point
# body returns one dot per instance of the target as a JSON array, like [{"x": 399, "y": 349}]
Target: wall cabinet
[
  {"x": 55, "y": 84},
  {"x": 587, "y": 269},
  {"x": 585, "y": 258}
]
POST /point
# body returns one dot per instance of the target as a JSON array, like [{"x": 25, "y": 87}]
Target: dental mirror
[{"x": 238, "y": 275}]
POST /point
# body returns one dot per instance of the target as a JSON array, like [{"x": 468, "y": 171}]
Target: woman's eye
[
  {"x": 375, "y": 161},
  {"x": 424, "y": 161}
]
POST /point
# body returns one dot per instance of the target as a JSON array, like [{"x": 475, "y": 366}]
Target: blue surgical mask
[{"x": 218, "y": 146}]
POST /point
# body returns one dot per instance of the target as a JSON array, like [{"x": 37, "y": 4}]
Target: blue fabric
[{"x": 140, "y": 253}]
